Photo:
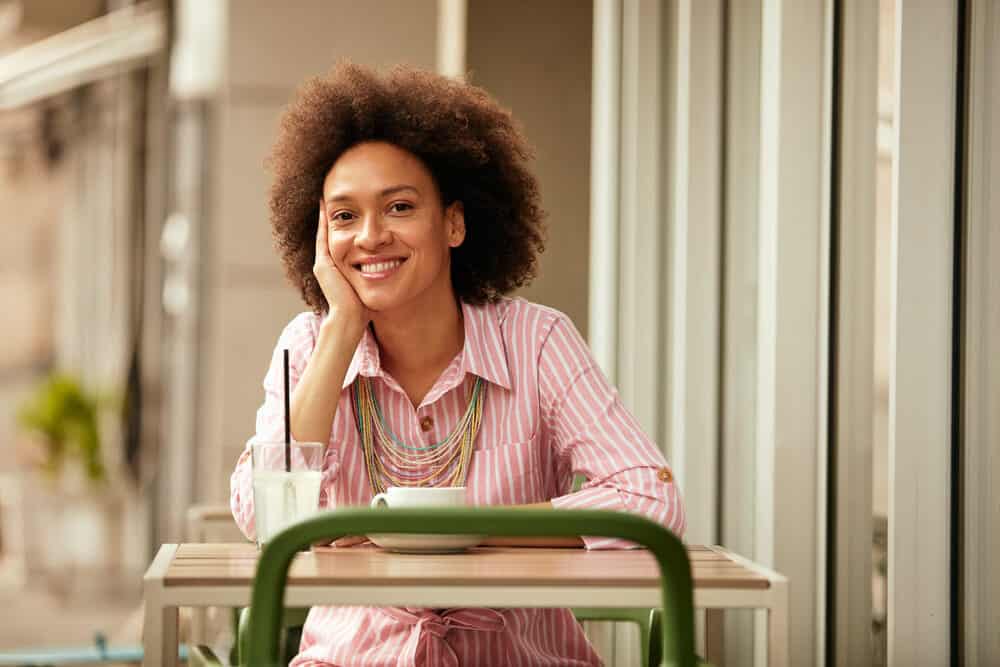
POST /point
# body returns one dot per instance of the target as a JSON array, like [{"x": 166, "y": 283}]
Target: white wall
[{"x": 534, "y": 57}]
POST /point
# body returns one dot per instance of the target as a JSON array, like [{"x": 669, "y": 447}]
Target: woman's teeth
[{"x": 380, "y": 267}]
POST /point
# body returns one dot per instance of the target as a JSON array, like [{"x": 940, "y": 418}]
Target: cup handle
[{"x": 380, "y": 500}]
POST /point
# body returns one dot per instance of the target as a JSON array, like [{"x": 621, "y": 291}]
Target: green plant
[{"x": 65, "y": 415}]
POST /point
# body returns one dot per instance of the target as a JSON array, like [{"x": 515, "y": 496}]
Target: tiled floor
[{"x": 37, "y": 619}]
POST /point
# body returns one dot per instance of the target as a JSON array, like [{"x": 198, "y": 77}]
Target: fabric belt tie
[{"x": 427, "y": 644}]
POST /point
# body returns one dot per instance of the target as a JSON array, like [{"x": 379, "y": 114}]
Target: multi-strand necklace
[{"x": 391, "y": 462}]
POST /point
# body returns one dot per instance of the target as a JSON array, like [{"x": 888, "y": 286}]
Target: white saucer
[{"x": 413, "y": 543}]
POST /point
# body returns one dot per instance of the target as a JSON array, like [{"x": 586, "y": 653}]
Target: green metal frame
[
  {"x": 262, "y": 644},
  {"x": 292, "y": 621},
  {"x": 644, "y": 618}
]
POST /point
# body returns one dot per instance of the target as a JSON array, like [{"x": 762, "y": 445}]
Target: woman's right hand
[
  {"x": 318, "y": 392},
  {"x": 345, "y": 307}
]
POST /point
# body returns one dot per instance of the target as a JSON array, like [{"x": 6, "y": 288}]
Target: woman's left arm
[{"x": 586, "y": 423}]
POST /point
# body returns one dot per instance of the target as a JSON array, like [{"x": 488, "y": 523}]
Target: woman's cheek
[{"x": 338, "y": 249}]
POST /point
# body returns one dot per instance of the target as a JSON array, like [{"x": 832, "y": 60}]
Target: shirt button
[
  {"x": 426, "y": 424},
  {"x": 665, "y": 475}
]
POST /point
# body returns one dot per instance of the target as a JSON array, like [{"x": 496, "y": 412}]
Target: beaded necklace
[{"x": 444, "y": 463}]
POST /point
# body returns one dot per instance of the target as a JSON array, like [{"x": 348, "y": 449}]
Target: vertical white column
[
  {"x": 604, "y": 180},
  {"x": 641, "y": 227},
  {"x": 605, "y": 218},
  {"x": 452, "y": 31},
  {"x": 920, "y": 335},
  {"x": 641, "y": 221},
  {"x": 792, "y": 281},
  {"x": 695, "y": 169},
  {"x": 676, "y": 159},
  {"x": 855, "y": 322},
  {"x": 739, "y": 312},
  {"x": 981, "y": 469}
]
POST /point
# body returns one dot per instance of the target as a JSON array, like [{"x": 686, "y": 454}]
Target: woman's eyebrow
[{"x": 394, "y": 189}]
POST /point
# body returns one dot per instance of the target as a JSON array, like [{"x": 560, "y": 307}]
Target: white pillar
[
  {"x": 981, "y": 615},
  {"x": 920, "y": 370}
]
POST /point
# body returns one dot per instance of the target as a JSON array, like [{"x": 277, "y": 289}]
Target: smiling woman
[
  {"x": 470, "y": 147},
  {"x": 388, "y": 232},
  {"x": 404, "y": 211}
]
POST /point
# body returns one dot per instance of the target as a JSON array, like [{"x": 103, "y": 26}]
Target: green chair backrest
[
  {"x": 292, "y": 621},
  {"x": 266, "y": 606},
  {"x": 642, "y": 617}
]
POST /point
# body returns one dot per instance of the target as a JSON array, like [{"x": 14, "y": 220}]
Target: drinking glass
[{"x": 283, "y": 496}]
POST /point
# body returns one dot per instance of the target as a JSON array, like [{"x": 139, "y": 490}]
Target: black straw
[{"x": 288, "y": 423}]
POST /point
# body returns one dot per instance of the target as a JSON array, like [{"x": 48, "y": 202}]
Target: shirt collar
[
  {"x": 365, "y": 360},
  {"x": 483, "y": 353}
]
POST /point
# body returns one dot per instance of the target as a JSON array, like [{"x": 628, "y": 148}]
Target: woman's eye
[
  {"x": 342, "y": 217},
  {"x": 400, "y": 207}
]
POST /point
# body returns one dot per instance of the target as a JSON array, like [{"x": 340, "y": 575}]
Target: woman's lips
[{"x": 379, "y": 270}]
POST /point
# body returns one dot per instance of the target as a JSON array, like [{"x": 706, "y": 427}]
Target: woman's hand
[
  {"x": 316, "y": 396},
  {"x": 344, "y": 305}
]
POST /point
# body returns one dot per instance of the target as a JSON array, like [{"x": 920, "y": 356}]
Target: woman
[{"x": 404, "y": 211}]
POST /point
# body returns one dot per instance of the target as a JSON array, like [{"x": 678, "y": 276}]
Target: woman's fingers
[
  {"x": 337, "y": 290},
  {"x": 322, "y": 245}
]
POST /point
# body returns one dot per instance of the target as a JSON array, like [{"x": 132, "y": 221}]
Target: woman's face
[{"x": 388, "y": 231}]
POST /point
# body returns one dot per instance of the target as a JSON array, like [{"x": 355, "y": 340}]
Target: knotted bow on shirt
[{"x": 427, "y": 644}]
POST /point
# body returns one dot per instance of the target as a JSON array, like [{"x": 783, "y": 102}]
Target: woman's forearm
[
  {"x": 315, "y": 398},
  {"x": 534, "y": 541}
]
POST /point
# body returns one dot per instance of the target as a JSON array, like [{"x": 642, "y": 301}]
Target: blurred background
[{"x": 724, "y": 191}]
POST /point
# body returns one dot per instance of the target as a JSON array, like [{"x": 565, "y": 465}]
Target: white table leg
[
  {"x": 713, "y": 636},
  {"x": 777, "y": 625},
  {"x": 169, "y": 635},
  {"x": 159, "y": 635},
  {"x": 159, "y": 628}
]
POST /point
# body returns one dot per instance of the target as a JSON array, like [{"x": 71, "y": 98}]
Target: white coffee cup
[{"x": 415, "y": 496}]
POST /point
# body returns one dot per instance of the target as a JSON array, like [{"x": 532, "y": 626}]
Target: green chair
[
  {"x": 647, "y": 621},
  {"x": 677, "y": 645},
  {"x": 292, "y": 621}
]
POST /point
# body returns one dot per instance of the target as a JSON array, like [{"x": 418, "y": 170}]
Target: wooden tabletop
[{"x": 234, "y": 565}]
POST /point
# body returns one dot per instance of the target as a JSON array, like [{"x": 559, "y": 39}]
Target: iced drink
[{"x": 282, "y": 498}]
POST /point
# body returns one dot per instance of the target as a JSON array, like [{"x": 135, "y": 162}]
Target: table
[{"x": 198, "y": 575}]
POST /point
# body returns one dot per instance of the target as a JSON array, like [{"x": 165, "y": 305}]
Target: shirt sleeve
[
  {"x": 588, "y": 425},
  {"x": 299, "y": 338}
]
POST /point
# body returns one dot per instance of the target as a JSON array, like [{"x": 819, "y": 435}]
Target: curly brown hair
[{"x": 471, "y": 146}]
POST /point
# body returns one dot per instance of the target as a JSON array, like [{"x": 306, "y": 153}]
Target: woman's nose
[{"x": 373, "y": 233}]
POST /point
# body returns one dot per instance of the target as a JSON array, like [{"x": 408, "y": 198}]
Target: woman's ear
[{"x": 454, "y": 217}]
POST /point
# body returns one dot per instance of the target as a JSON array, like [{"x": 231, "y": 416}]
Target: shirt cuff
[{"x": 596, "y": 498}]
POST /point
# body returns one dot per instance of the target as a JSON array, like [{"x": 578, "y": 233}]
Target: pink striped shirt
[{"x": 549, "y": 413}]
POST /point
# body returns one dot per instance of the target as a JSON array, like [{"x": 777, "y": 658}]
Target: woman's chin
[
  {"x": 408, "y": 297},
  {"x": 380, "y": 303}
]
